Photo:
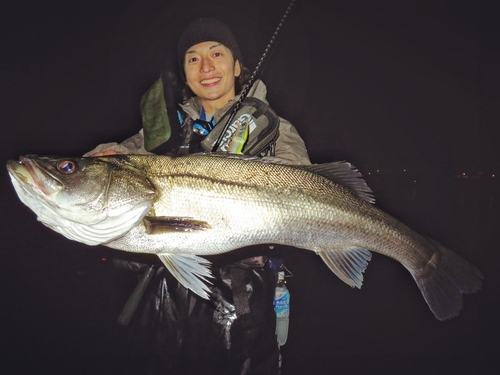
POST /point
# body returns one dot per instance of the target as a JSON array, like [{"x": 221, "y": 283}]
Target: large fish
[{"x": 181, "y": 208}]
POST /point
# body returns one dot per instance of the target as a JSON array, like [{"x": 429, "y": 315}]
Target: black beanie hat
[{"x": 205, "y": 30}]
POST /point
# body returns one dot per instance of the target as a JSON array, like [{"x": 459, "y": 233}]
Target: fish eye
[{"x": 66, "y": 166}]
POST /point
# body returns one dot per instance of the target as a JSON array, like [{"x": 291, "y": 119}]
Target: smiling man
[
  {"x": 211, "y": 62},
  {"x": 214, "y": 73},
  {"x": 210, "y": 70}
]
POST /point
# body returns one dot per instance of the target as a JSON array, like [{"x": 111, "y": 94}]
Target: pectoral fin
[
  {"x": 164, "y": 224},
  {"x": 190, "y": 270},
  {"x": 348, "y": 265}
]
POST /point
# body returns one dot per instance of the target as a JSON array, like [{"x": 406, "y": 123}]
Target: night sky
[
  {"x": 360, "y": 80},
  {"x": 388, "y": 85}
]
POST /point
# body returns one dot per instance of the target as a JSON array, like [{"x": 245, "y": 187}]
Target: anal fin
[{"x": 348, "y": 265}]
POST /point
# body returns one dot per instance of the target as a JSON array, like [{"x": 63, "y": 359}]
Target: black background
[{"x": 408, "y": 88}]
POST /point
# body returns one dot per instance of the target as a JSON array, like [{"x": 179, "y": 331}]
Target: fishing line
[{"x": 248, "y": 86}]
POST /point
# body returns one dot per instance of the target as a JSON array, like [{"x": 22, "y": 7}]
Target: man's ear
[{"x": 237, "y": 68}]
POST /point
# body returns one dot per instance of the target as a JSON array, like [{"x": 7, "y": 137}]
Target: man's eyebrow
[
  {"x": 215, "y": 45},
  {"x": 211, "y": 47}
]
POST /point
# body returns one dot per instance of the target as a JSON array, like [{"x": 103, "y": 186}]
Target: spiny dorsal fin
[{"x": 344, "y": 173}]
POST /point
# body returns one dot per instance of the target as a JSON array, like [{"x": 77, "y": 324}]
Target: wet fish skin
[{"x": 181, "y": 208}]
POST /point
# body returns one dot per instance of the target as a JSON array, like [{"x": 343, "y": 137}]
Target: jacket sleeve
[
  {"x": 290, "y": 148},
  {"x": 131, "y": 145}
]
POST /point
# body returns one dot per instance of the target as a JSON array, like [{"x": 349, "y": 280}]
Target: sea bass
[{"x": 182, "y": 208}]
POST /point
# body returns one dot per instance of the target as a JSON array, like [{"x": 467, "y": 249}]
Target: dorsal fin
[{"x": 346, "y": 174}]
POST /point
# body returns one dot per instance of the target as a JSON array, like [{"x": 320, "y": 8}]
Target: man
[
  {"x": 234, "y": 333},
  {"x": 218, "y": 96}
]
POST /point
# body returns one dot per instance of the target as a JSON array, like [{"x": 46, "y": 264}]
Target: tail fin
[{"x": 444, "y": 279}]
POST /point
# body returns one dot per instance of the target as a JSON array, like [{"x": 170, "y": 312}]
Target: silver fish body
[{"x": 181, "y": 208}]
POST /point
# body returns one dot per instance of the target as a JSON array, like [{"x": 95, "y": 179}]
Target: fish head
[{"x": 91, "y": 200}]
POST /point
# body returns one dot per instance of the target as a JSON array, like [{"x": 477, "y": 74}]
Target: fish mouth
[{"x": 27, "y": 171}]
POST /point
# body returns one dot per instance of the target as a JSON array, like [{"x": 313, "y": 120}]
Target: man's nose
[{"x": 206, "y": 65}]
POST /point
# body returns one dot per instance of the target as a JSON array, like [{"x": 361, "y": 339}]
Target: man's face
[{"x": 210, "y": 73}]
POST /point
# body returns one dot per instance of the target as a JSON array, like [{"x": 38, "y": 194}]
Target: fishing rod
[{"x": 248, "y": 86}]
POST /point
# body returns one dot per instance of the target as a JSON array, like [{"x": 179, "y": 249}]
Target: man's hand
[{"x": 105, "y": 153}]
